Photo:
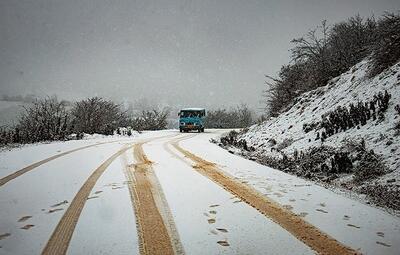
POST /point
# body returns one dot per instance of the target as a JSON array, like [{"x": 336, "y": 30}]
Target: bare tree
[{"x": 386, "y": 49}]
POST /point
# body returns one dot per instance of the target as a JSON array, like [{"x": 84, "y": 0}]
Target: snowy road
[{"x": 170, "y": 193}]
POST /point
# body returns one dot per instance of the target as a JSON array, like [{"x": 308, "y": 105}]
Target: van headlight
[{"x": 182, "y": 123}]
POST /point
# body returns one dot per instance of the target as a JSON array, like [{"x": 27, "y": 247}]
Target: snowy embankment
[{"x": 288, "y": 134}]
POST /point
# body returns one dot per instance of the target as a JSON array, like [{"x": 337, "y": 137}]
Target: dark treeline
[
  {"x": 328, "y": 51},
  {"x": 49, "y": 119},
  {"x": 238, "y": 117},
  {"x": 19, "y": 98}
]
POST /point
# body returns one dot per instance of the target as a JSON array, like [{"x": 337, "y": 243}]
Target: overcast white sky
[{"x": 182, "y": 53}]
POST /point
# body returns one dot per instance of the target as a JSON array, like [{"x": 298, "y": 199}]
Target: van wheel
[{"x": 202, "y": 130}]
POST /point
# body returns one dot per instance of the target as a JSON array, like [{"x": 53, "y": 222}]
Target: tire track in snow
[
  {"x": 61, "y": 237},
  {"x": 298, "y": 227},
  {"x": 156, "y": 227},
  {"x": 26, "y": 169}
]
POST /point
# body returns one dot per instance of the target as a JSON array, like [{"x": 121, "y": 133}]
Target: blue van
[{"x": 192, "y": 119}]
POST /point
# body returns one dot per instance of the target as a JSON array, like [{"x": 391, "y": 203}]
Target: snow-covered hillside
[{"x": 286, "y": 132}]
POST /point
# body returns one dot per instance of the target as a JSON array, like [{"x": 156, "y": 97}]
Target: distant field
[{"x": 9, "y": 111}]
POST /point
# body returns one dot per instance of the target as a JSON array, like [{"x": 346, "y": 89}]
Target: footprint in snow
[
  {"x": 322, "y": 204},
  {"x": 98, "y": 192},
  {"x": 54, "y": 210},
  {"x": 223, "y": 243},
  {"x": 292, "y": 200},
  {"x": 381, "y": 234},
  {"x": 320, "y": 210},
  {"x": 214, "y": 205},
  {"x": 223, "y": 230},
  {"x": 211, "y": 221},
  {"x": 92, "y": 197},
  {"x": 24, "y": 218},
  {"x": 346, "y": 217},
  {"x": 4, "y": 236},
  {"x": 213, "y": 212},
  {"x": 28, "y": 226},
  {"x": 61, "y": 203},
  {"x": 353, "y": 226},
  {"x": 383, "y": 244}
]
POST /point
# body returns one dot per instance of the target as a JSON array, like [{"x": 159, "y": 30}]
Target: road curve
[
  {"x": 59, "y": 240},
  {"x": 26, "y": 169}
]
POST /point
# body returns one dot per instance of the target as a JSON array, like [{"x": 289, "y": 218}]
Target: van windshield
[{"x": 191, "y": 114}]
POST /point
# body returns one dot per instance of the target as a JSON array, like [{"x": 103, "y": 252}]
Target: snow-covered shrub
[
  {"x": 150, "y": 120},
  {"x": 353, "y": 115},
  {"x": 97, "y": 115},
  {"x": 231, "y": 140},
  {"x": 45, "y": 120},
  {"x": 369, "y": 166},
  {"x": 383, "y": 194},
  {"x": 238, "y": 117},
  {"x": 7, "y": 136},
  {"x": 124, "y": 131},
  {"x": 315, "y": 162}
]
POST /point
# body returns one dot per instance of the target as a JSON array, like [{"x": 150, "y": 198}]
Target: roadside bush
[
  {"x": 322, "y": 162},
  {"x": 383, "y": 195},
  {"x": 238, "y": 117},
  {"x": 97, "y": 115},
  {"x": 231, "y": 139},
  {"x": 369, "y": 166},
  {"x": 151, "y": 120},
  {"x": 7, "y": 136},
  {"x": 45, "y": 120}
]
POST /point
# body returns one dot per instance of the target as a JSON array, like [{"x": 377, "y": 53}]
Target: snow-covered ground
[
  {"x": 349, "y": 221},
  {"x": 350, "y": 87},
  {"x": 207, "y": 217}
]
